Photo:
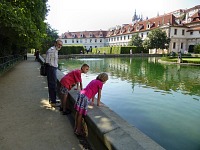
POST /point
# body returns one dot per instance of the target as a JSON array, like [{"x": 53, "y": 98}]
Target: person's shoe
[
  {"x": 61, "y": 109},
  {"x": 66, "y": 112},
  {"x": 79, "y": 133},
  {"x": 55, "y": 105}
]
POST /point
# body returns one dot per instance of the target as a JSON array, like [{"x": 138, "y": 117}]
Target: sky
[{"x": 91, "y": 15}]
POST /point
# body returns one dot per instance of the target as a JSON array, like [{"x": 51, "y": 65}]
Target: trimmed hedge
[
  {"x": 72, "y": 49},
  {"x": 118, "y": 50},
  {"x": 126, "y": 49},
  {"x": 101, "y": 50}
]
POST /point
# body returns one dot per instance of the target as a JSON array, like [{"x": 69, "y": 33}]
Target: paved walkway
[{"x": 27, "y": 122}]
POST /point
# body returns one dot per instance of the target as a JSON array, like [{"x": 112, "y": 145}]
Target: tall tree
[
  {"x": 156, "y": 39},
  {"x": 197, "y": 49},
  {"x": 136, "y": 40},
  {"x": 22, "y": 24},
  {"x": 48, "y": 40}
]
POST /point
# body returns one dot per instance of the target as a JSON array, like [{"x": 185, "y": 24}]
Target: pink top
[
  {"x": 71, "y": 78},
  {"x": 92, "y": 88}
]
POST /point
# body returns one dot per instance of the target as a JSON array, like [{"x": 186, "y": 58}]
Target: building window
[
  {"x": 174, "y": 45},
  {"x": 76, "y": 41},
  {"x": 90, "y": 40},
  {"x": 117, "y": 38},
  {"x": 72, "y": 41},
  {"x": 137, "y": 28},
  {"x": 95, "y": 40},
  {"x": 100, "y": 40},
  {"x": 128, "y": 37},
  {"x": 148, "y": 26},
  {"x": 121, "y": 38},
  {"x": 124, "y": 37},
  {"x": 101, "y": 34},
  {"x": 85, "y": 40},
  {"x": 90, "y": 34},
  {"x": 175, "y": 31},
  {"x": 181, "y": 45},
  {"x": 191, "y": 33},
  {"x": 65, "y": 41},
  {"x": 80, "y": 40},
  {"x": 183, "y": 32}
]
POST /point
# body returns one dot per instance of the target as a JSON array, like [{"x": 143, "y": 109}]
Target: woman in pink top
[
  {"x": 67, "y": 82},
  {"x": 83, "y": 99}
]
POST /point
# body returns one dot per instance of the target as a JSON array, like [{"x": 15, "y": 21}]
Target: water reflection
[
  {"x": 161, "y": 100},
  {"x": 148, "y": 72}
]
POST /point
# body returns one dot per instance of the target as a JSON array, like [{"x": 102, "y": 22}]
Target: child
[
  {"x": 83, "y": 99},
  {"x": 67, "y": 82}
]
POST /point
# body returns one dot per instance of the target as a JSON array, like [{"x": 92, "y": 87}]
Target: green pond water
[{"x": 161, "y": 100}]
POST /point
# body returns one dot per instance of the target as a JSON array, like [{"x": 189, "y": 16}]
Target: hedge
[
  {"x": 118, "y": 50},
  {"x": 71, "y": 49}
]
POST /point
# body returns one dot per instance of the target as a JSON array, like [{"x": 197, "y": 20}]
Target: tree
[
  {"x": 156, "y": 39},
  {"x": 136, "y": 40},
  {"x": 197, "y": 49},
  {"x": 47, "y": 41},
  {"x": 21, "y": 25}
]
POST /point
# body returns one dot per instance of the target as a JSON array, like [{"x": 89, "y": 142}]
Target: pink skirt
[{"x": 81, "y": 104}]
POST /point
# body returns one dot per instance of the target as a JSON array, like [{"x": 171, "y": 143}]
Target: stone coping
[{"x": 107, "y": 130}]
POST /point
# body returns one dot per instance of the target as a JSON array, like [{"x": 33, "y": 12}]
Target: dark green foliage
[
  {"x": 136, "y": 40},
  {"x": 197, "y": 49},
  {"x": 156, "y": 39},
  {"x": 101, "y": 50},
  {"x": 118, "y": 50},
  {"x": 22, "y": 25},
  {"x": 126, "y": 49},
  {"x": 72, "y": 49},
  {"x": 49, "y": 40}
]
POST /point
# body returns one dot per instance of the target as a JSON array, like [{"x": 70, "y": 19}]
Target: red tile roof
[{"x": 140, "y": 26}]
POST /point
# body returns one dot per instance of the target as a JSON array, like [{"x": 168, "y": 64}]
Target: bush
[
  {"x": 197, "y": 49},
  {"x": 101, "y": 50},
  {"x": 72, "y": 49}
]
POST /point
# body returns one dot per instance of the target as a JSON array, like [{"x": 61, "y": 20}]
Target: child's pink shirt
[
  {"x": 92, "y": 88},
  {"x": 71, "y": 78}
]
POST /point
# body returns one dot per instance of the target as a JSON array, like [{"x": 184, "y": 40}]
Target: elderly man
[{"x": 51, "y": 69}]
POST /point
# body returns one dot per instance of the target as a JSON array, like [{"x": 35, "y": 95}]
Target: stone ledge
[
  {"x": 107, "y": 130},
  {"x": 112, "y": 131}
]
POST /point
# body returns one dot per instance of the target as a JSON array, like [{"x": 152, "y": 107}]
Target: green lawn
[{"x": 184, "y": 60}]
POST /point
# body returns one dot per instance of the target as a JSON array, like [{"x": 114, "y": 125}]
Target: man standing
[
  {"x": 25, "y": 54},
  {"x": 51, "y": 68}
]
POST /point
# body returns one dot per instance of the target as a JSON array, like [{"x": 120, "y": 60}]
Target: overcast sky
[{"x": 81, "y": 15}]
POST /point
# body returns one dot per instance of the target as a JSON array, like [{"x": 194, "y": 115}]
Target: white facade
[
  {"x": 181, "y": 26},
  {"x": 86, "y": 42},
  {"x": 89, "y": 39}
]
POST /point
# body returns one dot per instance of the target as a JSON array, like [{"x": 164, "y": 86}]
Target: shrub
[{"x": 72, "y": 49}]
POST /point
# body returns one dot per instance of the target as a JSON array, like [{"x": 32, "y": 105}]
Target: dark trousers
[
  {"x": 52, "y": 82},
  {"x": 25, "y": 57}
]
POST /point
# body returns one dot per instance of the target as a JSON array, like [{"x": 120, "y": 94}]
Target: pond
[{"x": 161, "y": 100}]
